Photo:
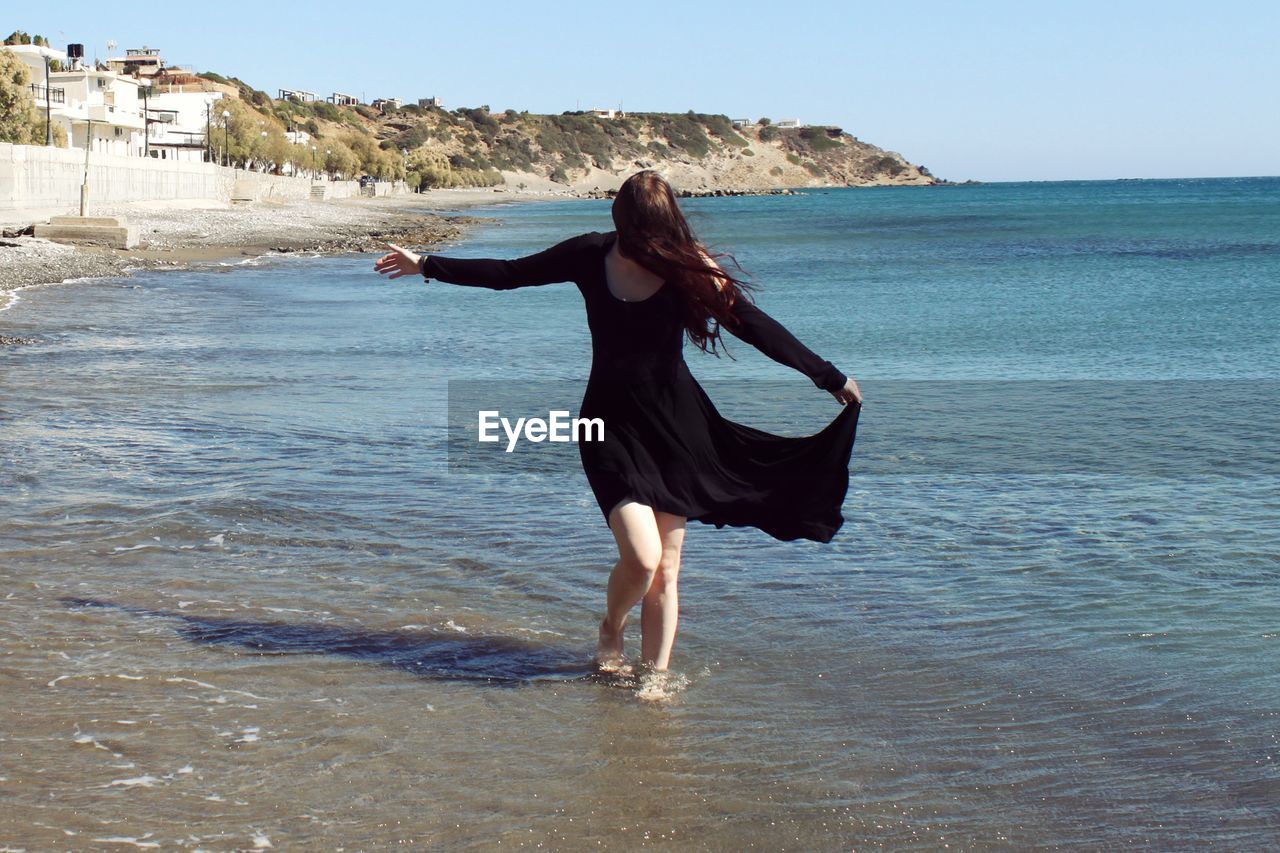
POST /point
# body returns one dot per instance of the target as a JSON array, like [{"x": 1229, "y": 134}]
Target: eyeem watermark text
[{"x": 557, "y": 427}]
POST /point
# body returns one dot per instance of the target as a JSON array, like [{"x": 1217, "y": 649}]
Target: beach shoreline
[{"x": 177, "y": 235}]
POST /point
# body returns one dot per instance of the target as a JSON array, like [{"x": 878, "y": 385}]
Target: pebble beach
[{"x": 183, "y": 234}]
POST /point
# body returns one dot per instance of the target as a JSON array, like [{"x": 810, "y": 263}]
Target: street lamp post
[
  {"x": 48, "y": 107},
  {"x": 226, "y": 141},
  {"x": 313, "y": 162},
  {"x": 327, "y": 154},
  {"x": 84, "y": 187}
]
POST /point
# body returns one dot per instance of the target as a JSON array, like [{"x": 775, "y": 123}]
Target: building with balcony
[
  {"x": 103, "y": 111},
  {"x": 97, "y": 108},
  {"x": 340, "y": 100}
]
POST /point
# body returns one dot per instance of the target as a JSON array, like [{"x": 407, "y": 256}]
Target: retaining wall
[{"x": 34, "y": 177}]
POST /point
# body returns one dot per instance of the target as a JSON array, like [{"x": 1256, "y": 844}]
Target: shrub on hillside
[{"x": 820, "y": 138}]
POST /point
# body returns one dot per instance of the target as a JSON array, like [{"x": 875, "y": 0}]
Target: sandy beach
[{"x": 180, "y": 234}]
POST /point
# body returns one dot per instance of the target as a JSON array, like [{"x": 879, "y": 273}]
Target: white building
[
  {"x": 177, "y": 121},
  {"x": 298, "y": 137},
  {"x": 104, "y": 110},
  {"x": 107, "y": 108},
  {"x": 98, "y": 107},
  {"x": 788, "y": 122},
  {"x": 430, "y": 102}
]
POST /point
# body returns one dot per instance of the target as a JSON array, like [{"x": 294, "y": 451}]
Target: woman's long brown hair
[{"x": 653, "y": 232}]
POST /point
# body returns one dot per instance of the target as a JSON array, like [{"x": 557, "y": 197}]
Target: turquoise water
[{"x": 237, "y": 479}]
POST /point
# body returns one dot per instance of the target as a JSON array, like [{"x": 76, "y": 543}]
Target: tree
[
  {"x": 36, "y": 134},
  {"x": 764, "y": 122},
  {"x": 243, "y": 133},
  {"x": 17, "y": 109},
  {"x": 380, "y": 162},
  {"x": 340, "y": 161}
]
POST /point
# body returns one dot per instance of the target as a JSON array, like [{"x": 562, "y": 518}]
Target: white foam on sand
[
  {"x": 247, "y": 735},
  {"x": 83, "y": 738},
  {"x": 136, "y": 782},
  {"x": 208, "y": 686},
  {"x": 136, "y": 842}
]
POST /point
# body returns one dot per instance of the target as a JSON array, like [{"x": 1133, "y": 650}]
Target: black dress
[{"x": 665, "y": 445}]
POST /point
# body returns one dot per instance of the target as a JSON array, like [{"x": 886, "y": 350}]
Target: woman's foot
[{"x": 609, "y": 648}]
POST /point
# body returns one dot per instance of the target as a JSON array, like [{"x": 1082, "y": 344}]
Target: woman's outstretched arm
[
  {"x": 558, "y": 263},
  {"x": 766, "y": 334}
]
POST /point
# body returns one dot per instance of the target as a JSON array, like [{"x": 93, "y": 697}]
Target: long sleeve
[
  {"x": 558, "y": 263},
  {"x": 771, "y": 338}
]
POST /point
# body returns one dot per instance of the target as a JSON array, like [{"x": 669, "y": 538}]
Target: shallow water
[{"x": 245, "y": 600}]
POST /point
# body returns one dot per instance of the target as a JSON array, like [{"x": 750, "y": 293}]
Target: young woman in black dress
[{"x": 668, "y": 455}]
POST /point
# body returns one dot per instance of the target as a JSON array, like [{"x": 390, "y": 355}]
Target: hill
[{"x": 433, "y": 147}]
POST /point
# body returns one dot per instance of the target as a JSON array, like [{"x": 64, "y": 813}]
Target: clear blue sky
[{"x": 993, "y": 91}]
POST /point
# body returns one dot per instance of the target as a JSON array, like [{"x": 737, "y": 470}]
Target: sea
[{"x": 247, "y": 602}]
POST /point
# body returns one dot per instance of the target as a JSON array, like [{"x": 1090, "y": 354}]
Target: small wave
[
  {"x": 660, "y": 686},
  {"x": 11, "y": 296}
]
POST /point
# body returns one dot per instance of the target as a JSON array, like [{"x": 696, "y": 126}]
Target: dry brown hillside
[{"x": 433, "y": 147}]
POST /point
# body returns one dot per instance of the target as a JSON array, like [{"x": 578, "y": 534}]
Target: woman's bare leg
[
  {"x": 635, "y": 529},
  {"x": 660, "y": 607}
]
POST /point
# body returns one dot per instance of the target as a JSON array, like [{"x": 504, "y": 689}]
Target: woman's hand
[
  {"x": 848, "y": 393},
  {"x": 399, "y": 262}
]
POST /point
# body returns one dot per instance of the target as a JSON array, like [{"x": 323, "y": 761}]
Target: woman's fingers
[
  {"x": 398, "y": 265},
  {"x": 849, "y": 393}
]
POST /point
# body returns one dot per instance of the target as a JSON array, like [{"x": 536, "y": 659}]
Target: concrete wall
[{"x": 36, "y": 177}]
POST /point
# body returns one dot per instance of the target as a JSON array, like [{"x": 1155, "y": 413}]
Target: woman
[{"x": 667, "y": 454}]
